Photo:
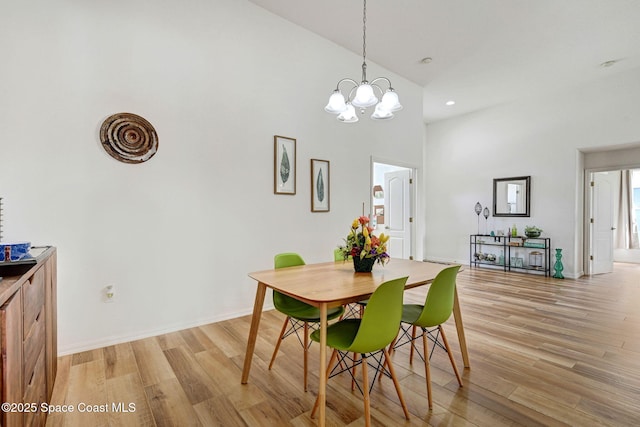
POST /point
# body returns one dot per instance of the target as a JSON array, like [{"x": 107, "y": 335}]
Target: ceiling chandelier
[{"x": 363, "y": 95}]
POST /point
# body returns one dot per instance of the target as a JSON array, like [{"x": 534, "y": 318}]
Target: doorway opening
[
  {"x": 393, "y": 204},
  {"x": 612, "y": 211}
]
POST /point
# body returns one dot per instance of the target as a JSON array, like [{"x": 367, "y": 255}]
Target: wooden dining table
[{"x": 333, "y": 284}]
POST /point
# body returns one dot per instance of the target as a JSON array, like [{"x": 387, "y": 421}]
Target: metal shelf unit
[{"x": 517, "y": 253}]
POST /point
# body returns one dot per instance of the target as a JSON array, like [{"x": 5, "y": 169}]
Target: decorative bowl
[{"x": 532, "y": 234}]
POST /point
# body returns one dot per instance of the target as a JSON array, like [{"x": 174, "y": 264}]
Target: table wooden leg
[
  {"x": 457, "y": 316},
  {"x": 253, "y": 332},
  {"x": 322, "y": 392}
]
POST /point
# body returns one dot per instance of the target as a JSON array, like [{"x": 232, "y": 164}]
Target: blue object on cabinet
[{"x": 14, "y": 251}]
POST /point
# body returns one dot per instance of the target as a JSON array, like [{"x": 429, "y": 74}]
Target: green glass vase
[{"x": 558, "y": 265}]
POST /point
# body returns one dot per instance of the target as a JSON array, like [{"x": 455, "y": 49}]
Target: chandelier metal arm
[
  {"x": 382, "y": 78},
  {"x": 382, "y": 92},
  {"x": 372, "y": 83},
  {"x": 375, "y": 86},
  {"x": 351, "y": 91},
  {"x": 355, "y": 83}
]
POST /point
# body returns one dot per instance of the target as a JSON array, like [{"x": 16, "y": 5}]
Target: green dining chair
[
  {"x": 429, "y": 318},
  {"x": 367, "y": 337},
  {"x": 337, "y": 255},
  {"x": 300, "y": 315},
  {"x": 354, "y": 309}
]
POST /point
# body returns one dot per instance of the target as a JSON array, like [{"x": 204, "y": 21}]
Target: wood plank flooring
[{"x": 544, "y": 352}]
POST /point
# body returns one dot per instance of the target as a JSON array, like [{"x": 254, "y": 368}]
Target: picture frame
[
  {"x": 512, "y": 197},
  {"x": 320, "y": 186},
  {"x": 378, "y": 211},
  {"x": 284, "y": 165}
]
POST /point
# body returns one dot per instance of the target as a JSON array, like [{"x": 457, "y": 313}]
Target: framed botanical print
[
  {"x": 284, "y": 165},
  {"x": 320, "y": 189}
]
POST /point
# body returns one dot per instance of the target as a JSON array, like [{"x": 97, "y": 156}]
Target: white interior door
[
  {"x": 397, "y": 211},
  {"x": 602, "y": 224}
]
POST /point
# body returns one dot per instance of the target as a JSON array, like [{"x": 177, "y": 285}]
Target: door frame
[
  {"x": 586, "y": 211},
  {"x": 415, "y": 226}
]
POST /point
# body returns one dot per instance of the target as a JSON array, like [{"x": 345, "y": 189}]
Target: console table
[{"x": 511, "y": 253}]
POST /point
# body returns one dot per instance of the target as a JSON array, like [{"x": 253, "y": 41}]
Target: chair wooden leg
[
  {"x": 427, "y": 369},
  {"x": 396, "y": 384},
  {"x": 393, "y": 343},
  {"x": 353, "y": 371},
  {"x": 453, "y": 362},
  {"x": 413, "y": 337},
  {"x": 306, "y": 352},
  {"x": 365, "y": 389},
  {"x": 386, "y": 362},
  {"x": 275, "y": 350},
  {"x": 333, "y": 358}
]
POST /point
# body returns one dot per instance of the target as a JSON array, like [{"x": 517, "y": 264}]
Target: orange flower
[{"x": 363, "y": 220}]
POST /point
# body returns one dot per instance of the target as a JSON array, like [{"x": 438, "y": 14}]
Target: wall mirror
[{"x": 512, "y": 196}]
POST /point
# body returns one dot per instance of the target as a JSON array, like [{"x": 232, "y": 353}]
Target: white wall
[
  {"x": 178, "y": 234},
  {"x": 541, "y": 137}
]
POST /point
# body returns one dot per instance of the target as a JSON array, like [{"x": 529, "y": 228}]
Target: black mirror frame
[{"x": 527, "y": 180}]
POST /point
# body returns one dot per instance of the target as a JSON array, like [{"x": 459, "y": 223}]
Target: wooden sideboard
[{"x": 28, "y": 341}]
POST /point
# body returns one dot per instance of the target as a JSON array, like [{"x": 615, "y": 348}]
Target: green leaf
[
  {"x": 320, "y": 186},
  {"x": 285, "y": 166}
]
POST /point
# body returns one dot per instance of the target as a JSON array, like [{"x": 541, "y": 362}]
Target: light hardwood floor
[{"x": 544, "y": 352}]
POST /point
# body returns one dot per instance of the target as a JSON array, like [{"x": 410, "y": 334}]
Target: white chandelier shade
[
  {"x": 348, "y": 115},
  {"x": 364, "y": 94},
  {"x": 336, "y": 103},
  {"x": 381, "y": 113},
  {"x": 390, "y": 101}
]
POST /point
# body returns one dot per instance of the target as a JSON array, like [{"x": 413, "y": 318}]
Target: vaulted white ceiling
[{"x": 484, "y": 52}]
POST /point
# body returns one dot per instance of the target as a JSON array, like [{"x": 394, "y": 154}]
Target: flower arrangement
[{"x": 362, "y": 244}]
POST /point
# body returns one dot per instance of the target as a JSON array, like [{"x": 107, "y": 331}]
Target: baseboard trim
[{"x": 119, "y": 339}]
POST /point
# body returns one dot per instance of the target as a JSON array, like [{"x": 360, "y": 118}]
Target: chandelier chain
[
  {"x": 364, "y": 31},
  {"x": 364, "y": 42}
]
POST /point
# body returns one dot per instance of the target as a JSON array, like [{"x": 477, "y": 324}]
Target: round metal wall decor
[{"x": 128, "y": 138}]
